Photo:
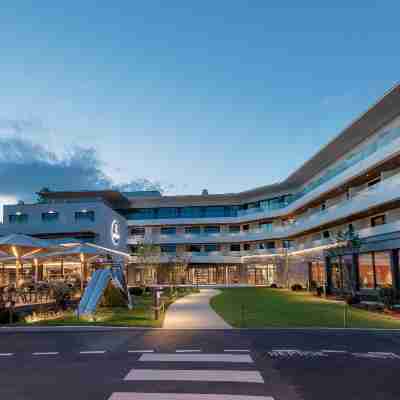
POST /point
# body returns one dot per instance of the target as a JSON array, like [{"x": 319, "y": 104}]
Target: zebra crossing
[{"x": 205, "y": 368}]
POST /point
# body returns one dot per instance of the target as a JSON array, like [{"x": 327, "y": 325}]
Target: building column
[
  {"x": 394, "y": 262},
  {"x": 328, "y": 275}
]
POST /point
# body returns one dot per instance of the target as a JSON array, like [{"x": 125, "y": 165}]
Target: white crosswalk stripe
[
  {"x": 195, "y": 375},
  {"x": 209, "y": 375},
  {"x": 182, "y": 396},
  {"x": 185, "y": 357}
]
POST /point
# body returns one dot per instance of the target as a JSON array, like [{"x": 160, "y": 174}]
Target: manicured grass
[
  {"x": 141, "y": 315},
  {"x": 265, "y": 307}
]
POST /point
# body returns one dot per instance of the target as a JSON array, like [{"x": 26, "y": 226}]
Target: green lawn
[
  {"x": 265, "y": 307},
  {"x": 141, "y": 315}
]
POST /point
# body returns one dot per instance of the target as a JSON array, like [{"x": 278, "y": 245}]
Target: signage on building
[{"x": 115, "y": 233}]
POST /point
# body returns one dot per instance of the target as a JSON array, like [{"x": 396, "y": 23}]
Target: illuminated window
[
  {"x": 366, "y": 271},
  {"x": 84, "y": 215},
  {"x": 383, "y": 270},
  {"x": 50, "y": 216}
]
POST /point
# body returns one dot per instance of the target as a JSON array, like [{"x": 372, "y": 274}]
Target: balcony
[
  {"x": 386, "y": 191},
  {"x": 383, "y": 149}
]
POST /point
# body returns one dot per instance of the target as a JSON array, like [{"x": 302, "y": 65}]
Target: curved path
[{"x": 194, "y": 312}]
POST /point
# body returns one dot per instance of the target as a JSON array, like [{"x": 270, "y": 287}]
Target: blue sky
[{"x": 213, "y": 94}]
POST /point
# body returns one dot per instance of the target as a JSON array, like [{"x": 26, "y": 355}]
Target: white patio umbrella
[
  {"x": 19, "y": 245},
  {"x": 83, "y": 252}
]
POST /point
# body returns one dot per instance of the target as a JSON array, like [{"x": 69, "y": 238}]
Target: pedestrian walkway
[
  {"x": 188, "y": 369},
  {"x": 194, "y": 312}
]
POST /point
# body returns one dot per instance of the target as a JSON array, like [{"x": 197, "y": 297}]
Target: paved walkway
[{"x": 194, "y": 312}]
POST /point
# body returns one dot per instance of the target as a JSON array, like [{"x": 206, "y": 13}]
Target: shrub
[
  {"x": 113, "y": 297},
  {"x": 387, "y": 297},
  {"x": 297, "y": 287},
  {"x": 136, "y": 291},
  {"x": 274, "y": 286},
  {"x": 5, "y": 317},
  {"x": 320, "y": 291},
  {"x": 352, "y": 299}
]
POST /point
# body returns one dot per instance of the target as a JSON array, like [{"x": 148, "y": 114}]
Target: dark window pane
[
  {"x": 211, "y": 229},
  {"x": 194, "y": 230},
  {"x": 50, "y": 216},
  {"x": 234, "y": 228},
  {"x": 169, "y": 230},
  {"x": 84, "y": 215},
  {"x": 211, "y": 247},
  {"x": 235, "y": 247},
  {"x": 167, "y": 212}
]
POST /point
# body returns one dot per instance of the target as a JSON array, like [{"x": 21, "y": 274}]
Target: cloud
[{"x": 26, "y": 167}]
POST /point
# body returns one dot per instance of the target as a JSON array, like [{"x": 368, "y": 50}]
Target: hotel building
[{"x": 281, "y": 234}]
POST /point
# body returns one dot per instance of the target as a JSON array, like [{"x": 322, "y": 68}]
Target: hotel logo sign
[{"x": 115, "y": 233}]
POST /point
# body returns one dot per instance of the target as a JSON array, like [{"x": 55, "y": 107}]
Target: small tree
[
  {"x": 350, "y": 241},
  {"x": 148, "y": 255}
]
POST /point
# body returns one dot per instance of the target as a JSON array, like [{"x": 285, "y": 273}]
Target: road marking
[
  {"x": 296, "y": 353},
  {"x": 189, "y": 351},
  {"x": 226, "y": 358},
  {"x": 194, "y": 375},
  {"x": 335, "y": 351},
  {"x": 48, "y": 353},
  {"x": 140, "y": 351},
  {"x": 183, "y": 396},
  {"x": 236, "y": 351},
  {"x": 377, "y": 355},
  {"x": 6, "y": 354},
  {"x": 92, "y": 352}
]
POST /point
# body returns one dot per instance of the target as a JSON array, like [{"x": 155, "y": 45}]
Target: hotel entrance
[{"x": 261, "y": 274}]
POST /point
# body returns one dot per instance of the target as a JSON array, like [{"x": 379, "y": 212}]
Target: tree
[
  {"x": 148, "y": 255},
  {"x": 350, "y": 241}
]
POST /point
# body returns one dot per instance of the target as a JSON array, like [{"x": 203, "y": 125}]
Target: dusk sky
[{"x": 224, "y": 95}]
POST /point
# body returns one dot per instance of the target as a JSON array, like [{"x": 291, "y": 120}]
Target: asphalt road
[{"x": 130, "y": 364}]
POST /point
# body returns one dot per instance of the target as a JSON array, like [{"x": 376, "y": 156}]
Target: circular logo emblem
[{"x": 115, "y": 233}]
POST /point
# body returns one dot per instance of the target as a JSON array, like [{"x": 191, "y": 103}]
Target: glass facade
[
  {"x": 211, "y": 247},
  {"x": 375, "y": 270},
  {"x": 18, "y": 218},
  {"x": 84, "y": 215},
  {"x": 211, "y": 229},
  {"x": 318, "y": 273},
  {"x": 49, "y": 216},
  {"x": 168, "y": 248},
  {"x": 168, "y": 230},
  {"x": 336, "y": 273},
  {"x": 193, "y": 230}
]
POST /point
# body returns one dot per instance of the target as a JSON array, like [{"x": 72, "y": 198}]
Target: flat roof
[{"x": 114, "y": 197}]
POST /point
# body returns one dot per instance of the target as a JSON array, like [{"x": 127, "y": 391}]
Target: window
[
  {"x": 211, "y": 247},
  {"x": 50, "y": 216},
  {"x": 234, "y": 228},
  {"x": 336, "y": 274},
  {"x": 317, "y": 273},
  {"x": 383, "y": 270},
  {"x": 168, "y": 248},
  {"x": 246, "y": 247},
  {"x": 211, "y": 229},
  {"x": 191, "y": 212},
  {"x": 235, "y": 247},
  {"x": 142, "y": 213},
  {"x": 84, "y": 215},
  {"x": 193, "y": 248},
  {"x": 323, "y": 206},
  {"x": 137, "y": 231},
  {"x": 378, "y": 220},
  {"x": 168, "y": 230},
  {"x": 18, "y": 218},
  {"x": 326, "y": 234},
  {"x": 167, "y": 212},
  {"x": 193, "y": 230},
  {"x": 261, "y": 246},
  {"x": 246, "y": 228},
  {"x": 214, "y": 211},
  {"x": 270, "y": 245},
  {"x": 266, "y": 226},
  {"x": 366, "y": 271}
]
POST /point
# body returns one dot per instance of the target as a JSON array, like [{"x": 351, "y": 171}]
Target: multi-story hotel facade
[{"x": 278, "y": 234}]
